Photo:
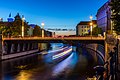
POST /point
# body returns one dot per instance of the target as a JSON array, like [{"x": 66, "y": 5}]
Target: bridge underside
[
  {"x": 102, "y": 42},
  {"x": 59, "y": 41},
  {"x": 17, "y": 46}
]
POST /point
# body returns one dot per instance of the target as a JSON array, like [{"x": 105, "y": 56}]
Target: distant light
[
  {"x": 91, "y": 24},
  {"x": 42, "y": 24},
  {"x": 23, "y": 18},
  {"x": 1, "y": 19},
  {"x": 91, "y": 17}
]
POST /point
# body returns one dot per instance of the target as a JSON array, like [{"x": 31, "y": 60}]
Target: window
[{"x": 82, "y": 30}]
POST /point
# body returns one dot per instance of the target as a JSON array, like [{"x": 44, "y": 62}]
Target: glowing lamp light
[
  {"x": 91, "y": 24},
  {"x": 42, "y": 24},
  {"x": 91, "y": 17},
  {"x": 23, "y": 18}
]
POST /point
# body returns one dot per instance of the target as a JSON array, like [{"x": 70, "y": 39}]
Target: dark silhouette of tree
[
  {"x": 17, "y": 26},
  {"x": 6, "y": 29},
  {"x": 115, "y": 17},
  {"x": 96, "y": 31},
  {"x": 37, "y": 31},
  {"x": 26, "y": 28}
]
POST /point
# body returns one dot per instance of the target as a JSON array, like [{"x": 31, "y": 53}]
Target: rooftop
[{"x": 87, "y": 22}]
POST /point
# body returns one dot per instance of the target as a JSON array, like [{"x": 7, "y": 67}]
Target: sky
[{"x": 54, "y": 13}]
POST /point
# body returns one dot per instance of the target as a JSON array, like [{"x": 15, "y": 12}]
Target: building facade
[
  {"x": 103, "y": 17},
  {"x": 83, "y": 28}
]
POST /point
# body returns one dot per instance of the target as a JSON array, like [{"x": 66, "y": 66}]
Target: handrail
[{"x": 109, "y": 67}]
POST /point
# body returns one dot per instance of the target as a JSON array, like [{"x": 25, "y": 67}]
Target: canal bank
[{"x": 39, "y": 47}]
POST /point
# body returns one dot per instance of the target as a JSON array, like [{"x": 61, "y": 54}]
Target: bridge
[
  {"x": 99, "y": 40},
  {"x": 25, "y": 45},
  {"x": 13, "y": 47}
]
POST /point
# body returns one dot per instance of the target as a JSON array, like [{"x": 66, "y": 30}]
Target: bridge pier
[
  {"x": 18, "y": 48},
  {"x": 8, "y": 48},
  {"x": 28, "y": 47},
  {"x": 4, "y": 48},
  {"x": 32, "y": 46},
  {"x": 12, "y": 48},
  {"x": 21, "y": 47},
  {"x": 25, "y": 45}
]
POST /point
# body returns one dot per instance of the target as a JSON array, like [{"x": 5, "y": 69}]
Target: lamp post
[
  {"x": 0, "y": 19},
  {"x": 91, "y": 26},
  {"x": 23, "y": 25},
  {"x": 42, "y": 29}
]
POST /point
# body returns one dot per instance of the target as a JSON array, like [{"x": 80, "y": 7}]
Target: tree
[
  {"x": 14, "y": 28},
  {"x": 26, "y": 28},
  {"x": 96, "y": 31},
  {"x": 115, "y": 16},
  {"x": 37, "y": 31},
  {"x": 17, "y": 26},
  {"x": 6, "y": 29}
]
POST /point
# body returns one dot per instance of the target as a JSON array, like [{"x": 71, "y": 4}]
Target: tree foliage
[
  {"x": 14, "y": 28},
  {"x": 96, "y": 31},
  {"x": 37, "y": 31},
  {"x": 17, "y": 26},
  {"x": 115, "y": 17}
]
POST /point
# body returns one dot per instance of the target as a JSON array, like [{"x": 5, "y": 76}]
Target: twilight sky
[{"x": 54, "y": 13}]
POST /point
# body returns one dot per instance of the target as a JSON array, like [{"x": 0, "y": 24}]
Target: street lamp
[
  {"x": 0, "y": 19},
  {"x": 42, "y": 29},
  {"x": 23, "y": 25},
  {"x": 91, "y": 25}
]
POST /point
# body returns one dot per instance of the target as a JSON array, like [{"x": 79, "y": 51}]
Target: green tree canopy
[
  {"x": 37, "y": 31},
  {"x": 96, "y": 31},
  {"x": 17, "y": 26},
  {"x": 115, "y": 17}
]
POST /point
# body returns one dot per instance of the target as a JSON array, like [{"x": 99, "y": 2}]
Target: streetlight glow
[
  {"x": 91, "y": 25},
  {"x": 91, "y": 17},
  {"x": 42, "y": 29},
  {"x": 42, "y": 24},
  {"x": 23, "y": 18}
]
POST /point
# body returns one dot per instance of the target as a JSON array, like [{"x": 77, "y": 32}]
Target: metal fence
[{"x": 109, "y": 70}]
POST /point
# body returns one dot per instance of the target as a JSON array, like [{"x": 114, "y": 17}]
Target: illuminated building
[
  {"x": 103, "y": 17},
  {"x": 83, "y": 28}
]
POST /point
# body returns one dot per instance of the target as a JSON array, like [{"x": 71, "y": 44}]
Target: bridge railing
[
  {"x": 109, "y": 70},
  {"x": 89, "y": 38}
]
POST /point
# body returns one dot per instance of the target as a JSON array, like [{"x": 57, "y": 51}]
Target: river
[{"x": 77, "y": 66}]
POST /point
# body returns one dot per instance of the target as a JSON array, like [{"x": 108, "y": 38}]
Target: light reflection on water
[
  {"x": 68, "y": 63},
  {"x": 37, "y": 67},
  {"x": 23, "y": 75}
]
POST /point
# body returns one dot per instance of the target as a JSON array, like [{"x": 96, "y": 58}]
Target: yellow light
[
  {"x": 91, "y": 17},
  {"x": 42, "y": 24},
  {"x": 91, "y": 24}
]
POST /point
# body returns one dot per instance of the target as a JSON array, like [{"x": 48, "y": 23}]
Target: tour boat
[{"x": 62, "y": 54}]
